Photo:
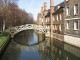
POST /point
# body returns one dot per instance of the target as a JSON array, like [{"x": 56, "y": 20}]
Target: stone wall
[{"x": 75, "y": 41}]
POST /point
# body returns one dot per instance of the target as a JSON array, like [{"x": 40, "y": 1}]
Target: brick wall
[{"x": 71, "y": 17}]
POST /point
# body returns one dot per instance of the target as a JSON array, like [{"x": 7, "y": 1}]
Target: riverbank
[{"x": 4, "y": 38}]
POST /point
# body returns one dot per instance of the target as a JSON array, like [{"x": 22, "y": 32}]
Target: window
[
  {"x": 76, "y": 25},
  {"x": 60, "y": 27},
  {"x": 57, "y": 17},
  {"x": 75, "y": 9},
  {"x": 46, "y": 19},
  {"x": 60, "y": 17},
  {"x": 66, "y": 0},
  {"x": 67, "y": 11},
  {"x": 55, "y": 27},
  {"x": 67, "y": 24},
  {"x": 58, "y": 7}
]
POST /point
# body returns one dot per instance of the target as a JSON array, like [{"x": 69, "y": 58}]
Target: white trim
[
  {"x": 67, "y": 26},
  {"x": 60, "y": 27},
  {"x": 68, "y": 11},
  {"x": 66, "y": 0},
  {"x": 72, "y": 18},
  {"x": 57, "y": 17},
  {"x": 59, "y": 7},
  {"x": 75, "y": 9},
  {"x": 76, "y": 25},
  {"x": 60, "y": 16}
]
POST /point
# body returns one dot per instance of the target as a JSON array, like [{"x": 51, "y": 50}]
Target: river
[{"x": 28, "y": 45}]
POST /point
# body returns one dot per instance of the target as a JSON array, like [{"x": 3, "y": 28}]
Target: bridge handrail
[{"x": 15, "y": 30}]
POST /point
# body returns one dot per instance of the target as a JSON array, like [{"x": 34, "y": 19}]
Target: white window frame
[
  {"x": 76, "y": 24},
  {"x": 46, "y": 19},
  {"x": 58, "y": 7},
  {"x": 60, "y": 27},
  {"x": 66, "y": 0},
  {"x": 57, "y": 17},
  {"x": 60, "y": 17},
  {"x": 76, "y": 9},
  {"x": 67, "y": 25},
  {"x": 67, "y": 11}
]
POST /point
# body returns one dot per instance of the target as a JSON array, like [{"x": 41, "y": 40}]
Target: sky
[{"x": 34, "y": 6}]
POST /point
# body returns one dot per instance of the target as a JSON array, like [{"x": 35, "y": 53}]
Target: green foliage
[{"x": 3, "y": 39}]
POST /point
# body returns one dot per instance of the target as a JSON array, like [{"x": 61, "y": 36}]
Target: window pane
[
  {"x": 75, "y": 25},
  {"x": 76, "y": 9}
]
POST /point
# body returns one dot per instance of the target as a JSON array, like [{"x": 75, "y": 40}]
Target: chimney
[
  {"x": 45, "y": 6},
  {"x": 45, "y": 9},
  {"x": 51, "y": 6},
  {"x": 44, "y": 13},
  {"x": 51, "y": 16},
  {"x": 42, "y": 10}
]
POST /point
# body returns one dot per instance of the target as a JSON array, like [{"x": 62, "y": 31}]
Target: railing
[{"x": 17, "y": 29}]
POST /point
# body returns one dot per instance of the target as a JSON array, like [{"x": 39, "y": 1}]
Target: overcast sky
[{"x": 34, "y": 6}]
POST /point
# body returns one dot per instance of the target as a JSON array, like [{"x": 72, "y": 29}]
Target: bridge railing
[{"x": 17, "y": 29}]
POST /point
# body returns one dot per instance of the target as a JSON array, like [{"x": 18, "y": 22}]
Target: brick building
[
  {"x": 49, "y": 19},
  {"x": 58, "y": 22},
  {"x": 48, "y": 23},
  {"x": 55, "y": 21},
  {"x": 39, "y": 17},
  {"x": 63, "y": 21},
  {"x": 45, "y": 11},
  {"x": 72, "y": 17},
  {"x": 72, "y": 22}
]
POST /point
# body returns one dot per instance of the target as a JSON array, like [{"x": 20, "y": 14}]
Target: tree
[
  {"x": 3, "y": 10},
  {"x": 12, "y": 16}
]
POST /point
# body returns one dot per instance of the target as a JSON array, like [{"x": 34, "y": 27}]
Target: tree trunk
[{"x": 3, "y": 25}]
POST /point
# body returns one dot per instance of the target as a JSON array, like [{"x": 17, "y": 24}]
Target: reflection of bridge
[
  {"x": 17, "y": 29},
  {"x": 30, "y": 48}
]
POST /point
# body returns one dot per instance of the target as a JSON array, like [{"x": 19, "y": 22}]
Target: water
[{"x": 28, "y": 45}]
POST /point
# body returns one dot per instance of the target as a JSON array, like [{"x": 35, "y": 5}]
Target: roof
[
  {"x": 56, "y": 9},
  {"x": 48, "y": 14},
  {"x": 60, "y": 10}
]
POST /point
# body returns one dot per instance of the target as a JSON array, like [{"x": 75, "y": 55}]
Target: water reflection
[
  {"x": 59, "y": 51},
  {"x": 28, "y": 37},
  {"x": 49, "y": 49}
]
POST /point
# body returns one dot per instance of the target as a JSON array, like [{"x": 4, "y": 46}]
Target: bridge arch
[{"x": 17, "y": 29}]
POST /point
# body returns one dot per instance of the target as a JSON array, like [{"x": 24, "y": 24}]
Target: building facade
[
  {"x": 39, "y": 17},
  {"x": 72, "y": 17},
  {"x": 49, "y": 20},
  {"x": 58, "y": 22},
  {"x": 48, "y": 23},
  {"x": 72, "y": 22},
  {"x": 44, "y": 14},
  {"x": 55, "y": 21},
  {"x": 63, "y": 21}
]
